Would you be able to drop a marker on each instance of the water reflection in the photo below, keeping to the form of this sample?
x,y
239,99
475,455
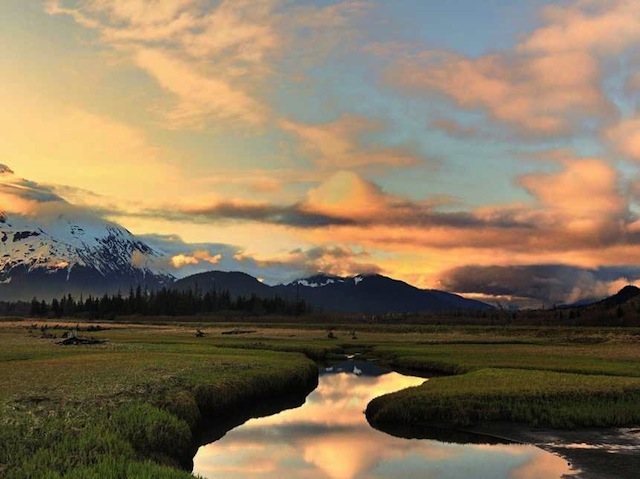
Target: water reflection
x,y
329,438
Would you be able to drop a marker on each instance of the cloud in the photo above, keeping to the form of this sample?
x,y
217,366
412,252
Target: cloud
x,y
202,97
52,142
24,197
215,59
287,215
331,259
189,258
184,258
541,285
365,204
523,92
582,206
625,137
343,144
343,199
547,85
195,258
602,27
585,200
346,193
453,128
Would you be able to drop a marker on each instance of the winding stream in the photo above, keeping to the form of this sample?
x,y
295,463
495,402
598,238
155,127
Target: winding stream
x,y
329,438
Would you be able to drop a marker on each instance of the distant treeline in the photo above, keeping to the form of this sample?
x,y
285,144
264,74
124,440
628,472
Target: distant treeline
x,y
165,302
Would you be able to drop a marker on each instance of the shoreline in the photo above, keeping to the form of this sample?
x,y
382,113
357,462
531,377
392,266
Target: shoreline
x,y
597,453
216,423
594,453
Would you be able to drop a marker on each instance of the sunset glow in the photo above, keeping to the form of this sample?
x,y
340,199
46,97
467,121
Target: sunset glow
x,y
490,149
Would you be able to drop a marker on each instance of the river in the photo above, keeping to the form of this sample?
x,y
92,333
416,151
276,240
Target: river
x,y
329,438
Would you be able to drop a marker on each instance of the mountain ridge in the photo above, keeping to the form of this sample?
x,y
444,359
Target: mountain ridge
x,y
367,293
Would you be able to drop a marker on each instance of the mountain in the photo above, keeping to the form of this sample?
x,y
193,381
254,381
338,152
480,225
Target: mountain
x,y
373,294
236,283
72,253
623,296
619,309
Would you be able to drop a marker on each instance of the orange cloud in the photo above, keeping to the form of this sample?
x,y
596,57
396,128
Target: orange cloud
x,y
585,199
625,137
214,59
194,258
346,194
548,84
582,206
341,144
598,26
538,95
202,96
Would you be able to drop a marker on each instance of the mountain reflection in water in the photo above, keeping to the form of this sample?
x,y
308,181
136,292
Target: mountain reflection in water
x,y
329,438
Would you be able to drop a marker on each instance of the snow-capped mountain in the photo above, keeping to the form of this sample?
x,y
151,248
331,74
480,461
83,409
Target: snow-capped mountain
x,y
372,293
72,253
366,293
49,247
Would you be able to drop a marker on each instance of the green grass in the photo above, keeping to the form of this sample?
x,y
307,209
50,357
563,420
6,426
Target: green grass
x,y
128,408
559,380
537,397
607,358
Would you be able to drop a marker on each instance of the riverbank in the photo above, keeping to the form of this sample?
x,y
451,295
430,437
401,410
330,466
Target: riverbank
x,y
127,409
590,380
595,452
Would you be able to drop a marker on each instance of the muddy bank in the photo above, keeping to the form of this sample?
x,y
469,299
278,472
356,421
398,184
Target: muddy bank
x,y
593,453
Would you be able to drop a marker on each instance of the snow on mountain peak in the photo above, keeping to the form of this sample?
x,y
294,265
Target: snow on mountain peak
x,y
320,280
67,242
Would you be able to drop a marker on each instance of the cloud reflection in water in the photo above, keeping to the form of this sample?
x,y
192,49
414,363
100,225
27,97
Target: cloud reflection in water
x,y
329,438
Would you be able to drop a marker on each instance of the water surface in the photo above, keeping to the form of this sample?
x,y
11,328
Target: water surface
x,y
329,438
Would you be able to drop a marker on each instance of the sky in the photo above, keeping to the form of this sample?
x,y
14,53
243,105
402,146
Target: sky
x,y
486,148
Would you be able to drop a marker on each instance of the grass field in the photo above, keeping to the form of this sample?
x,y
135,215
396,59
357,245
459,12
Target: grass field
x,y
130,407
127,408
554,377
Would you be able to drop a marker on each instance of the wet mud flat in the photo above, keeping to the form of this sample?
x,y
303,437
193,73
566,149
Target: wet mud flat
x,y
594,453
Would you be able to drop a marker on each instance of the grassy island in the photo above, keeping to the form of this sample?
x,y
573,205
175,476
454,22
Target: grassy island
x,y
554,377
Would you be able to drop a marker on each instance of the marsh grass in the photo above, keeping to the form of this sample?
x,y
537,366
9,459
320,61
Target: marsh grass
x,y
126,409
602,358
587,379
537,397
129,408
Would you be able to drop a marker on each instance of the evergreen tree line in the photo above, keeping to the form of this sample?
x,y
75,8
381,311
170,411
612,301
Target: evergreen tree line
x,y
165,302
